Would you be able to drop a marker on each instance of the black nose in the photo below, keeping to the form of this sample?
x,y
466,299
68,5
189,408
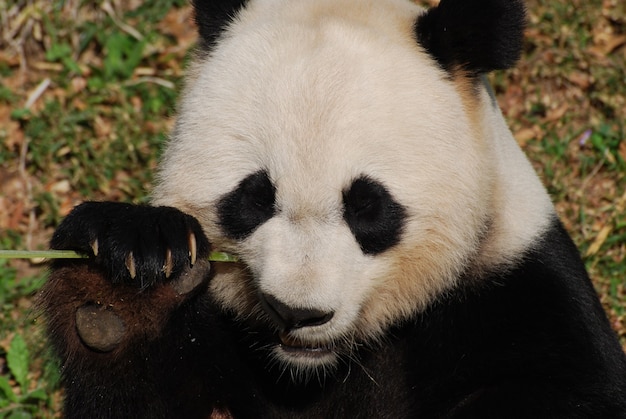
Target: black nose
x,y
289,318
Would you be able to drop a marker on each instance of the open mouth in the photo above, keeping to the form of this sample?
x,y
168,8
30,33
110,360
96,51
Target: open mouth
x,y
296,347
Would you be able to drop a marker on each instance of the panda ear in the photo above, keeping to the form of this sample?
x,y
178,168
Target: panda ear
x,y
473,36
212,17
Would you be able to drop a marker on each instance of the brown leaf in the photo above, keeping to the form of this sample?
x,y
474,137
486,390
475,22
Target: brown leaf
x,y
580,79
599,240
622,149
102,127
78,84
615,42
606,42
524,135
180,24
557,114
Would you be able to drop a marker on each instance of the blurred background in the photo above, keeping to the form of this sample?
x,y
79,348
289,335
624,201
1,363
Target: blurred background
x,y
87,96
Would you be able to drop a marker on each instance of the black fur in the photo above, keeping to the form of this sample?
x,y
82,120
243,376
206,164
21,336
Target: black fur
x,y
119,228
532,342
474,36
212,17
374,217
248,206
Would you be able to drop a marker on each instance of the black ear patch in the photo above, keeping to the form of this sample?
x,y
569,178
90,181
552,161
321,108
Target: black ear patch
x,y
248,206
212,17
476,36
374,217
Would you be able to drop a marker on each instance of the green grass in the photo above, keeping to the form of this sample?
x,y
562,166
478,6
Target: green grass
x,y
27,385
96,130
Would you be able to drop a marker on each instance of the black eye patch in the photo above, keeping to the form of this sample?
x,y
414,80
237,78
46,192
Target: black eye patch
x,y
247,206
374,217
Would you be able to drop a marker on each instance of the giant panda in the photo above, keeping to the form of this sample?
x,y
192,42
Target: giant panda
x,y
397,255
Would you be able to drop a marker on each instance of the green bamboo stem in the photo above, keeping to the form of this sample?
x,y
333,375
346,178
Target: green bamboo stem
x,y
70,254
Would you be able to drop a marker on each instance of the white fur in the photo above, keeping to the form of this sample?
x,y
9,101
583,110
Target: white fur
x,y
317,93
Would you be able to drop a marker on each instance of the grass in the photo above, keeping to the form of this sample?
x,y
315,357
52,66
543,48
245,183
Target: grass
x,y
88,90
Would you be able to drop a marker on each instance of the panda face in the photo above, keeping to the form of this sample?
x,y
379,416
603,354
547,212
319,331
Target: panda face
x,y
313,259
355,177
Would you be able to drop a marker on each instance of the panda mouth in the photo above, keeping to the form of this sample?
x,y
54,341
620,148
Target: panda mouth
x,y
296,347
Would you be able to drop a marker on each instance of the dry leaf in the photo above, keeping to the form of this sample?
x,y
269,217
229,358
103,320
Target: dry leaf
x,y
557,114
599,240
580,79
524,135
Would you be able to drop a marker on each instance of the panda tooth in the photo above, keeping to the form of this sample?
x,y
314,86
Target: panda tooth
x,y
130,265
94,247
167,268
192,248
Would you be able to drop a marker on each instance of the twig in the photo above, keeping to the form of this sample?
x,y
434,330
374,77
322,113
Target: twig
x,y
148,79
36,94
39,254
106,6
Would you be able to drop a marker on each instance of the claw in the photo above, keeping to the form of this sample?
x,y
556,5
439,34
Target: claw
x,y
167,267
94,247
192,248
130,265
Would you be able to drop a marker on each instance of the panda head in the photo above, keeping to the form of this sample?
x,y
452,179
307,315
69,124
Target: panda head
x,y
349,153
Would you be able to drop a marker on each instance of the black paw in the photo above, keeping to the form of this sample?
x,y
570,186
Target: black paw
x,y
136,244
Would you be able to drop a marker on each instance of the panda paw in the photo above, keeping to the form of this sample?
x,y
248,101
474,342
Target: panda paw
x,y
133,244
87,314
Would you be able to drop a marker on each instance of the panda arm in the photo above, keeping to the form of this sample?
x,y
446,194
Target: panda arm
x,y
123,330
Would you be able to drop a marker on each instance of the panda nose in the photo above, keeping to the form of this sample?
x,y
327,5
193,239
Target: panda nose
x,y
289,318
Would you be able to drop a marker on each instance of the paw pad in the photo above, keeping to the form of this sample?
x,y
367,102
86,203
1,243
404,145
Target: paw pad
x,y
99,328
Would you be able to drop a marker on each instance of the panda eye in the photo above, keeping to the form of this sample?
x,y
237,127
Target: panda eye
x,y
362,202
374,217
247,206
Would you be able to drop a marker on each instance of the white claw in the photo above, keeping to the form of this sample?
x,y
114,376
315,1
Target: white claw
x,y
130,265
167,268
192,248
94,247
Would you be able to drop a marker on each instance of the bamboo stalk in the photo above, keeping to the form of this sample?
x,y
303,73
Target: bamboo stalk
x,y
70,254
